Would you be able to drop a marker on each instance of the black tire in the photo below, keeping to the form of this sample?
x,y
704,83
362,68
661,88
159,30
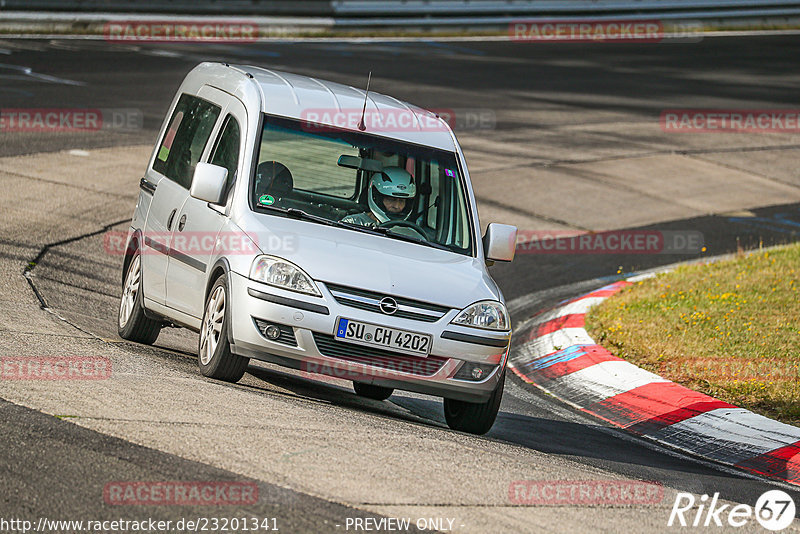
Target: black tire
x,y
475,418
216,359
132,324
372,391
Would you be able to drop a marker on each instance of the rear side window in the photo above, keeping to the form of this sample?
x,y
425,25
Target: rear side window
x,y
185,138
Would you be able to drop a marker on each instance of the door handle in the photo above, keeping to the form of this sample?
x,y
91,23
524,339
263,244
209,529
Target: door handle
x,y
171,218
182,223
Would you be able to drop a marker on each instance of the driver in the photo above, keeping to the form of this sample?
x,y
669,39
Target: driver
x,y
390,194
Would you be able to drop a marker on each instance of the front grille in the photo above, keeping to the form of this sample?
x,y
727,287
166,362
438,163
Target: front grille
x,y
368,300
287,332
383,359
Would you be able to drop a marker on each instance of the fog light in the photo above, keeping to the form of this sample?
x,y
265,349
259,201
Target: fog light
x,y
474,371
272,332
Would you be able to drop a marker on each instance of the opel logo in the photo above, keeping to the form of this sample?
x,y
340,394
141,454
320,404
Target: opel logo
x,y
388,305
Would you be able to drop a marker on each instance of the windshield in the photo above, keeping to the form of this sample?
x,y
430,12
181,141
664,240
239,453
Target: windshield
x,y
362,182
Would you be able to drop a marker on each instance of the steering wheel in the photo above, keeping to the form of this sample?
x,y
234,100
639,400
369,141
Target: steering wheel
x,y
406,224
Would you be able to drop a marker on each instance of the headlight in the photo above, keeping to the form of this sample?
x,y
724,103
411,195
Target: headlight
x,y
488,314
281,273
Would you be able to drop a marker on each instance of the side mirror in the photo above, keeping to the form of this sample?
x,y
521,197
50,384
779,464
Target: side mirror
x,y
208,183
500,242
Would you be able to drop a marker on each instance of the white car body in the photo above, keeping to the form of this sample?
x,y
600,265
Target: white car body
x,y
352,270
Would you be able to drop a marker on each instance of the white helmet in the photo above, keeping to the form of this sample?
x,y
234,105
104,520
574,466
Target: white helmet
x,y
391,182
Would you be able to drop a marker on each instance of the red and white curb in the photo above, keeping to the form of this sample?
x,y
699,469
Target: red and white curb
x,y
558,356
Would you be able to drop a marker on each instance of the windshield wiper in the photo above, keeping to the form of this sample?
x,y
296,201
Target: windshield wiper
x,y
363,228
300,214
421,240
375,230
382,230
387,231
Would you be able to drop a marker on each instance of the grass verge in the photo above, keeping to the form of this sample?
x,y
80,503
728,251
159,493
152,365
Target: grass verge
x,y
730,329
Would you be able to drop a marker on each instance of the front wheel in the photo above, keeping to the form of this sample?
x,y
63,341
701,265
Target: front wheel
x,y
474,417
132,323
215,357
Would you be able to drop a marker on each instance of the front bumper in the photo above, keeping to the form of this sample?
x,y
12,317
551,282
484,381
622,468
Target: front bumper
x,y
306,343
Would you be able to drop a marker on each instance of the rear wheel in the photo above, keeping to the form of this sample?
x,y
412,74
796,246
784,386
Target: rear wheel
x,y
473,417
215,357
372,391
132,324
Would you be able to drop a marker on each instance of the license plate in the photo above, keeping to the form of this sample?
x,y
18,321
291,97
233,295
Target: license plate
x,y
373,335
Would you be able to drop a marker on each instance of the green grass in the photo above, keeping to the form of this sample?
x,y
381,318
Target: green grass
x,y
730,329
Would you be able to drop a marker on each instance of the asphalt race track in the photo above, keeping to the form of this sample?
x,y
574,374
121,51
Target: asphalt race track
x,y
568,138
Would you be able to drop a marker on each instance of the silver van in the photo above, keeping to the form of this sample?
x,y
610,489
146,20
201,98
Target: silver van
x,y
323,228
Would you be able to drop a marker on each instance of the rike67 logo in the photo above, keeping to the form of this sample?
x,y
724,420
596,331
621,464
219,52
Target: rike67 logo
x,y
774,510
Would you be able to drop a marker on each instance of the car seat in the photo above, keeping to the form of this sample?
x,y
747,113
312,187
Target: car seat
x,y
273,178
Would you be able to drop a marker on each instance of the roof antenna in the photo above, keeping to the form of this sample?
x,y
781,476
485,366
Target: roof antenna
x,y
361,125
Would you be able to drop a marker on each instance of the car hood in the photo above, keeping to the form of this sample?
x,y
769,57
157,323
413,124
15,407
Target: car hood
x,y
371,262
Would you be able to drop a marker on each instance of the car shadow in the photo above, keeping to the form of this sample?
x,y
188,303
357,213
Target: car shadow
x,y
336,393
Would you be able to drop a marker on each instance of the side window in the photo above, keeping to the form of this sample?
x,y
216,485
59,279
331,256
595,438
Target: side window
x,y
434,200
310,161
185,138
226,150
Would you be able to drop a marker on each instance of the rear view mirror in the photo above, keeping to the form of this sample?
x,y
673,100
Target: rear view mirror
x,y
365,164
500,242
208,183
